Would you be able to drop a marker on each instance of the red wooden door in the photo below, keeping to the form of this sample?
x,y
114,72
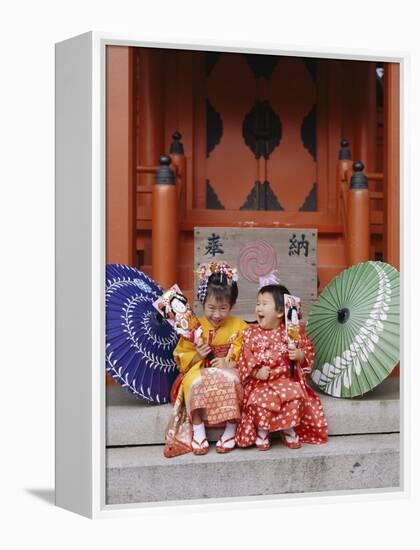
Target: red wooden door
x,y
261,133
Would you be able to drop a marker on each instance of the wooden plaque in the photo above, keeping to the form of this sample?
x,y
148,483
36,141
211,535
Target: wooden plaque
x,y
255,252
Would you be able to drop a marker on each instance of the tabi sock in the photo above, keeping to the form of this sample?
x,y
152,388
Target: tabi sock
x,y
199,433
291,434
261,436
230,430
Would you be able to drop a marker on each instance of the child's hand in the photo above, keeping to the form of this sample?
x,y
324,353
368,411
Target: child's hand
x,y
296,355
203,350
263,373
218,362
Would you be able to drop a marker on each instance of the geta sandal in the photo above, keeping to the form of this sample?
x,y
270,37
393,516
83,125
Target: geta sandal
x,y
220,445
200,450
293,442
265,445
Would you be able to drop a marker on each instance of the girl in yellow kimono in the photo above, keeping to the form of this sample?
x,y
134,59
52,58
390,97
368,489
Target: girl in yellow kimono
x,y
210,393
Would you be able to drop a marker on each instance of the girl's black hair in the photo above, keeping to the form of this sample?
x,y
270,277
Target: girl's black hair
x,y
222,289
277,292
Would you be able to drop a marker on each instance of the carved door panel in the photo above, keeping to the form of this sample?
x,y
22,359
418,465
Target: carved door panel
x,y
260,133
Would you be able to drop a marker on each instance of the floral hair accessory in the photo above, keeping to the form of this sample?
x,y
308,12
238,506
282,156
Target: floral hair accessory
x,y
269,279
205,271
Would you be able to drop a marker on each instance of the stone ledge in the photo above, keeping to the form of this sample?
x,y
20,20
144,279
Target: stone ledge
x,y
131,421
143,474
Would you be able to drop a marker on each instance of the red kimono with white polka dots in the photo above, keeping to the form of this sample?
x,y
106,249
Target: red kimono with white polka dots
x,y
279,402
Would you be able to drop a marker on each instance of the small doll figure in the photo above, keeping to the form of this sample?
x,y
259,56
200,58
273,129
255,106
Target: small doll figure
x,y
173,305
210,393
292,309
292,319
274,399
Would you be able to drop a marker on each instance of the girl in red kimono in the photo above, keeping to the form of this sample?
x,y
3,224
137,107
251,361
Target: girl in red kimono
x,y
273,400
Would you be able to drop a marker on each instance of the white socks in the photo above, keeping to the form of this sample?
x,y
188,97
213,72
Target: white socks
x,y
261,436
199,433
290,435
229,433
230,430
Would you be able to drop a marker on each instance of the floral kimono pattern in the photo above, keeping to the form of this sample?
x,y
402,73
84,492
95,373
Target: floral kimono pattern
x,y
217,392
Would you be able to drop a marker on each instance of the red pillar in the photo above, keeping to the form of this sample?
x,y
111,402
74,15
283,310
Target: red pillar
x,y
120,180
150,114
392,163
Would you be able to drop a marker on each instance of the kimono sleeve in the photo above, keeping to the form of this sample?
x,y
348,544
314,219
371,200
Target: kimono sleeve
x,y
309,353
247,362
238,341
183,355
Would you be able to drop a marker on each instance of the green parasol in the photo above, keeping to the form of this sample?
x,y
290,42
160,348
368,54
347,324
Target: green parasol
x,y
355,328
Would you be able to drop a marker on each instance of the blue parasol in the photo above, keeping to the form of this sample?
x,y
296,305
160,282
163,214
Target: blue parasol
x,y
139,342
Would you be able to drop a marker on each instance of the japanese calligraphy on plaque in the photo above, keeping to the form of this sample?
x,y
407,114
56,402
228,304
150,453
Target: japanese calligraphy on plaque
x,y
256,252
213,246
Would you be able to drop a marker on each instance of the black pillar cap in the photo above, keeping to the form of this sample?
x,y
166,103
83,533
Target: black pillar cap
x,y
344,153
358,179
164,174
177,147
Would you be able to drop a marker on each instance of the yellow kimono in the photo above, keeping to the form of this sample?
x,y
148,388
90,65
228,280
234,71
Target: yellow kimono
x,y
227,339
217,392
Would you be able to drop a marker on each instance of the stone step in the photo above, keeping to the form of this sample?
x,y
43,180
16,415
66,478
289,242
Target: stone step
x,y
143,474
131,421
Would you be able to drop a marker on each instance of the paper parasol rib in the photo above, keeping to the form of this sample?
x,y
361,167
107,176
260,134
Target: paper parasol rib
x,y
139,343
355,328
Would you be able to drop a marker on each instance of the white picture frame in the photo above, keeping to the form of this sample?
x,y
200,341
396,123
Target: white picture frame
x,y
80,265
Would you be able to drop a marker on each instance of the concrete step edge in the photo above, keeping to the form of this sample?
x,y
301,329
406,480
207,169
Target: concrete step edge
x,y
143,474
130,422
